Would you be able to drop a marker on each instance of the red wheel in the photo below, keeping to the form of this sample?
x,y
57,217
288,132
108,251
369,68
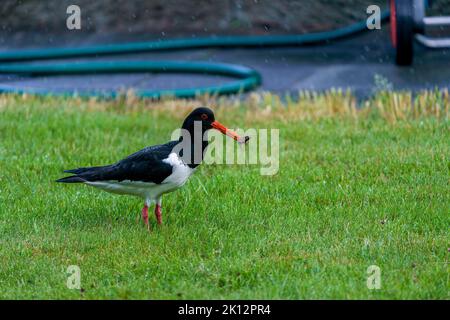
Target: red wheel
x,y
393,23
402,30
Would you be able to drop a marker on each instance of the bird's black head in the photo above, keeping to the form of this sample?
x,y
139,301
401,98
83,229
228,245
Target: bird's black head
x,y
202,115
193,141
205,117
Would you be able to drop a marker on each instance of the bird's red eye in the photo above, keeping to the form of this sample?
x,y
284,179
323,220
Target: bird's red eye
x,y
204,116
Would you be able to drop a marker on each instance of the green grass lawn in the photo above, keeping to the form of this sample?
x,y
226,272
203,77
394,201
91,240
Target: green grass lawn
x,y
354,189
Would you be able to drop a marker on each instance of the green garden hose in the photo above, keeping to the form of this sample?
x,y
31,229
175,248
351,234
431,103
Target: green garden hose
x,y
248,79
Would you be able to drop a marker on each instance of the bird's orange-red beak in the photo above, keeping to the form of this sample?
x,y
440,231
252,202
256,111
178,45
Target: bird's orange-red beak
x,y
218,126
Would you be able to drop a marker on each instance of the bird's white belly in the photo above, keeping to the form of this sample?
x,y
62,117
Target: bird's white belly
x,y
146,190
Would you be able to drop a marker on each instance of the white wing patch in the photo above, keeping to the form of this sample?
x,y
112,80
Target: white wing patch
x,y
180,173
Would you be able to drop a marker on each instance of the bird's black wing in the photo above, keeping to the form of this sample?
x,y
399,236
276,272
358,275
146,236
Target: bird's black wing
x,y
146,165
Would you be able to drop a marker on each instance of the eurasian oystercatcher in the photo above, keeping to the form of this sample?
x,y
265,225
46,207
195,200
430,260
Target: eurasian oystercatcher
x,y
156,170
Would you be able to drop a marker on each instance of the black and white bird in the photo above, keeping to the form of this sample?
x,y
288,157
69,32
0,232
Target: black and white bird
x,y
156,170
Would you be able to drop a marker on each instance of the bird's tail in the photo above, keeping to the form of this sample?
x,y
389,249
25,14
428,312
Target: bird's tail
x,y
72,179
84,174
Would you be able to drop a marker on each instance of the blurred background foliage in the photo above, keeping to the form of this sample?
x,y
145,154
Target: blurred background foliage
x,y
43,23
175,17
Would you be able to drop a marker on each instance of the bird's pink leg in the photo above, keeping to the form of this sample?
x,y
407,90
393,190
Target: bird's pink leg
x,y
145,214
158,213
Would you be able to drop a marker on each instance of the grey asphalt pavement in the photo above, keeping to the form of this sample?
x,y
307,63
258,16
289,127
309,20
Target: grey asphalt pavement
x,y
350,63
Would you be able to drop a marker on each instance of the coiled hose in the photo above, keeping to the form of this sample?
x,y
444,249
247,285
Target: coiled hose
x,y
248,79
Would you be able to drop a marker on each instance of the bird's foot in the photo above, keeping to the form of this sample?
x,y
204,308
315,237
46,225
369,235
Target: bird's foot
x,y
158,214
145,216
